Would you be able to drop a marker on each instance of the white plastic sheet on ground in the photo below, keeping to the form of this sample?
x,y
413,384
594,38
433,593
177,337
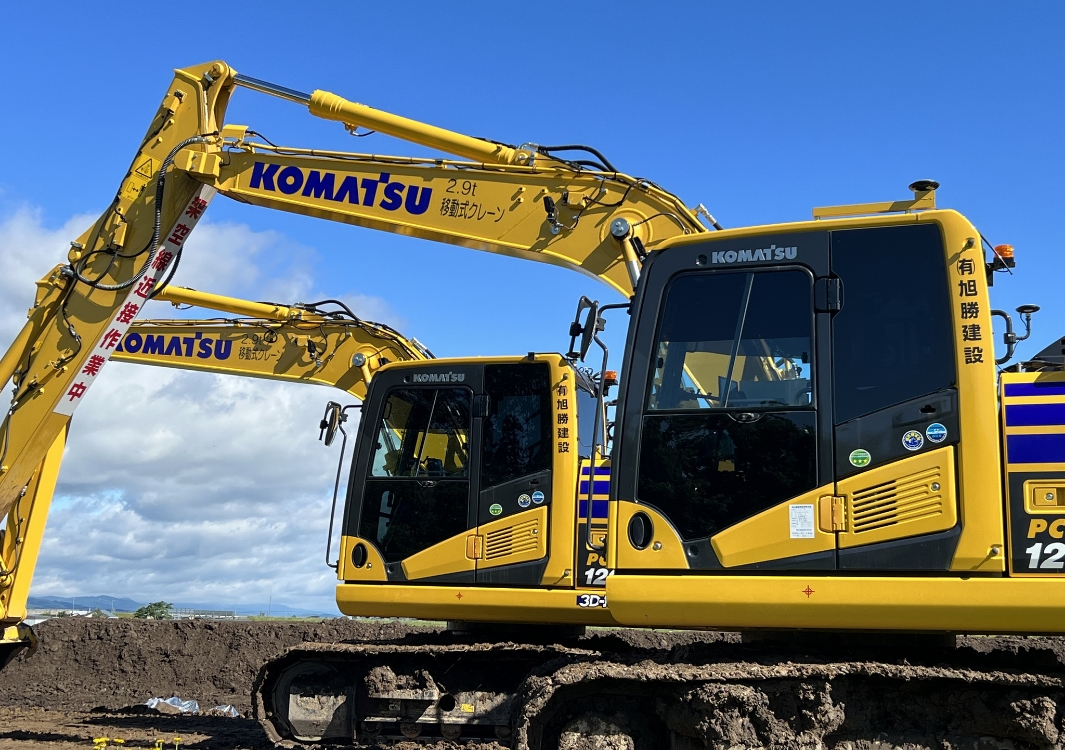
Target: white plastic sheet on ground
x,y
185,707
192,707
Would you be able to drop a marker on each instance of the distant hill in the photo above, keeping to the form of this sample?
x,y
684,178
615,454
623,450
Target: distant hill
x,y
276,609
121,604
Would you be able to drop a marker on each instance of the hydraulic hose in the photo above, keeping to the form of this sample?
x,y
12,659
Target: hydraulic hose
x,y
154,243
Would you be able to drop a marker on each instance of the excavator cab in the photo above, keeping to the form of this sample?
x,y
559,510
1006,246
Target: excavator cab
x,y
799,398
465,473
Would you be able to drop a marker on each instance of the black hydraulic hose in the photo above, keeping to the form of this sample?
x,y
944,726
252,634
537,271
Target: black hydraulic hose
x,y
336,302
154,243
590,164
577,147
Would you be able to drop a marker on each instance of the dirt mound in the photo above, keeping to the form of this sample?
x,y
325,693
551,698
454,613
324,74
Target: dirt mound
x,y
83,663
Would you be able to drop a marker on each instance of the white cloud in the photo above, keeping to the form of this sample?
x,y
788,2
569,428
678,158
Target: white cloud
x,y
234,260
192,487
188,486
28,251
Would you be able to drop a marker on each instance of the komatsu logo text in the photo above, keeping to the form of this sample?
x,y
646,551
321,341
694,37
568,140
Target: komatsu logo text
x,y
196,345
436,377
749,256
383,192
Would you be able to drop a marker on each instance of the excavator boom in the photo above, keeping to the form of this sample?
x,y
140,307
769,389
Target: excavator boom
x,y
287,343
545,212
518,201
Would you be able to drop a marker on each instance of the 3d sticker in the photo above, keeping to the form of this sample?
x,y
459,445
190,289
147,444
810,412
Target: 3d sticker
x,y
538,497
860,457
936,432
912,440
524,501
495,509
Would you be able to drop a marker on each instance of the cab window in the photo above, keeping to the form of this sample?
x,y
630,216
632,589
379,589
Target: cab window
x,y
729,428
587,404
892,340
424,432
417,494
516,437
734,340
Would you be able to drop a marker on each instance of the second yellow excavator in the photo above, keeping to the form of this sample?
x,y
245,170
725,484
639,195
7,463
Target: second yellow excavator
x,y
306,344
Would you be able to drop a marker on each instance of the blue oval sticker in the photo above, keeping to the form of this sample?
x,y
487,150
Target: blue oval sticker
x,y
936,432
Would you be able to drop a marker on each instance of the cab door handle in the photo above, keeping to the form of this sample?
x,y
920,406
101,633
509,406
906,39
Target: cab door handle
x,y
474,546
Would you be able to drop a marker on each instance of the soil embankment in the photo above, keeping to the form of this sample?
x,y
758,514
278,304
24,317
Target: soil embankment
x,y
84,663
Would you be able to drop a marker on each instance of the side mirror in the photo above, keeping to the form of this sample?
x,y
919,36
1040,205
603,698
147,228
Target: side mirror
x,y
587,330
330,423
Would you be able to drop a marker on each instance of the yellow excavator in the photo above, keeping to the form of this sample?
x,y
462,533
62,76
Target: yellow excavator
x,y
810,435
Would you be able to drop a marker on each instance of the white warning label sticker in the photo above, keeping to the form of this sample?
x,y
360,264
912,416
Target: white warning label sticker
x,y
802,521
137,296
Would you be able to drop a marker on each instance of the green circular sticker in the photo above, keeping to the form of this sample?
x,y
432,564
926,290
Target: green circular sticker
x,y
495,509
860,457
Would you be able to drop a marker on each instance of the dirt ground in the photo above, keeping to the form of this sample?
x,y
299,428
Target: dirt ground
x,y
82,663
26,728
90,679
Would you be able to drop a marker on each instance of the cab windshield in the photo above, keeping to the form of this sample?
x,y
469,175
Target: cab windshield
x,y
734,341
424,432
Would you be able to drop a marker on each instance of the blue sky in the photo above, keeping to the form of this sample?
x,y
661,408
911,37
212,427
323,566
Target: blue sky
x,y
758,110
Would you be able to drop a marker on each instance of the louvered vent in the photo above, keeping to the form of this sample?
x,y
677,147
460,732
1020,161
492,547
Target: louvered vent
x,y
513,540
908,498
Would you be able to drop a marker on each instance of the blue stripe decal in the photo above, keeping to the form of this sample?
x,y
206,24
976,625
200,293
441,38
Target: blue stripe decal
x,y
600,471
600,488
1036,389
1036,449
1032,415
599,509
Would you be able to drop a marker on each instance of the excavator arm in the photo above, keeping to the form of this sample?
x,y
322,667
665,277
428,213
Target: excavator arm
x,y
298,343
293,344
526,202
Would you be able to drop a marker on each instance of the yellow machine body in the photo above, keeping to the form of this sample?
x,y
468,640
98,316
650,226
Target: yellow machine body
x,y
922,494
475,493
482,516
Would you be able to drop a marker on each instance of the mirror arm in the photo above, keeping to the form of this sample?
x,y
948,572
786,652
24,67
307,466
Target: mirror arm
x,y
1027,327
336,485
598,324
1009,338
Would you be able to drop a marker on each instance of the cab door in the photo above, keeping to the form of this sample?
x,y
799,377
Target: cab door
x,y
416,469
726,445
895,400
515,474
